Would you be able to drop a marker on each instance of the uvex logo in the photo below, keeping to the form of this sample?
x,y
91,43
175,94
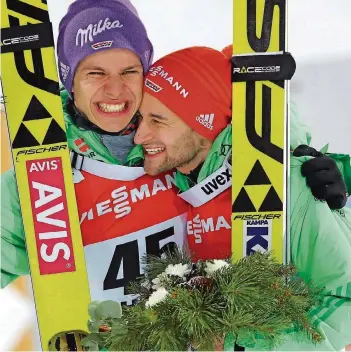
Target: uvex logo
x,y
220,180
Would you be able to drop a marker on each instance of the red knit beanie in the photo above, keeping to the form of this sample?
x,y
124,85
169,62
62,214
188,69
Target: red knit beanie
x,y
195,83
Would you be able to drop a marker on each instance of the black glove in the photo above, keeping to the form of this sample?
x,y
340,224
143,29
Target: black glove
x,y
323,177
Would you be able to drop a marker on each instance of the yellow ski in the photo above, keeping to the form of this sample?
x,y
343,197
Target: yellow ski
x,y
261,68
42,166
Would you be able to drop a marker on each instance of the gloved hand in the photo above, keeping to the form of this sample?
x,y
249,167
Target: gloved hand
x,y
323,177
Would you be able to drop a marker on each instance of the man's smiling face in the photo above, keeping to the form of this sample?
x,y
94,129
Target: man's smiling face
x,y
107,88
167,140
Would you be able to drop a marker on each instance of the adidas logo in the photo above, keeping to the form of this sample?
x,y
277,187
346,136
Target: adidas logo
x,y
206,120
64,70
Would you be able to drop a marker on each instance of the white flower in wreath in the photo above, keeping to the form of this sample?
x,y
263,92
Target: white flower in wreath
x,y
177,270
156,297
156,283
159,280
216,264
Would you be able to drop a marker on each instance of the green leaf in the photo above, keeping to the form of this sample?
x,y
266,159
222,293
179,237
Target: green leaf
x,y
92,307
94,337
108,309
92,342
325,149
94,325
92,346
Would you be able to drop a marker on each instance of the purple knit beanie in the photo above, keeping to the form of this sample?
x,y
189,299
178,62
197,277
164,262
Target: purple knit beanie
x,y
94,25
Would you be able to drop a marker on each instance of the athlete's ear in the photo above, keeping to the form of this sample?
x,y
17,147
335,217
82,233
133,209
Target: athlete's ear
x,y
204,142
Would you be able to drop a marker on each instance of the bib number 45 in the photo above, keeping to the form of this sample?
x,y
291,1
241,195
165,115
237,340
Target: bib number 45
x,y
128,256
112,265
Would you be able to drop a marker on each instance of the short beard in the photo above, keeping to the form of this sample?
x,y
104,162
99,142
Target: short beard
x,y
184,151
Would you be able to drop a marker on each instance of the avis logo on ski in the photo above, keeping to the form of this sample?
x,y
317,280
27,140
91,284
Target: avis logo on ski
x,y
50,213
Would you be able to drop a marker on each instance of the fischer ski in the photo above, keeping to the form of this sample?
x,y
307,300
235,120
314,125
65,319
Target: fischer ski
x,y
42,166
260,160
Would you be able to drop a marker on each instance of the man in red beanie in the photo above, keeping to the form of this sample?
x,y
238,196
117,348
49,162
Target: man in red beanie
x,y
186,124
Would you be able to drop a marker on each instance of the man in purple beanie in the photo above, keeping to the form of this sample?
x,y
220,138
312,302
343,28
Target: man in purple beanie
x,y
103,53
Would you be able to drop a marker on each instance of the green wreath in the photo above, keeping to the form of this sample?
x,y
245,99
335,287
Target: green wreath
x,y
253,302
